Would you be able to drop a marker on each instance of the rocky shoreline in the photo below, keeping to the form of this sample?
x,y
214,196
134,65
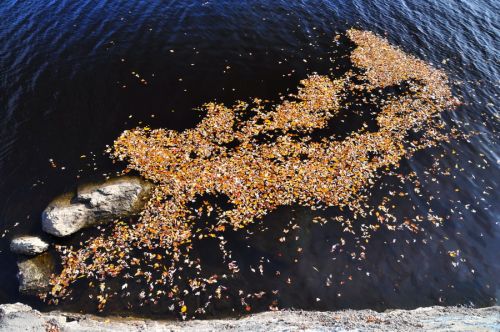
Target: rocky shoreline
x,y
21,317
91,204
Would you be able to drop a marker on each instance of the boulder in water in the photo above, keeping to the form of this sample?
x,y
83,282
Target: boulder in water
x,y
34,273
28,245
95,204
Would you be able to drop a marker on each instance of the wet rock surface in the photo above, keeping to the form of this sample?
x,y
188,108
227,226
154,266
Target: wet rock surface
x,y
20,317
34,273
94,204
28,245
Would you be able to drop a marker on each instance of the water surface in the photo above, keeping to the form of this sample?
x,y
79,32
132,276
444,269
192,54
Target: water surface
x,y
69,87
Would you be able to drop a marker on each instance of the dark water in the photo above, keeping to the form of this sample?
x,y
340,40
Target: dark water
x,y
67,90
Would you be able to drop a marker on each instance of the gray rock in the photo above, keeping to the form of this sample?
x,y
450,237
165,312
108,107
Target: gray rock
x,y
115,198
62,217
28,245
34,273
13,308
21,317
95,204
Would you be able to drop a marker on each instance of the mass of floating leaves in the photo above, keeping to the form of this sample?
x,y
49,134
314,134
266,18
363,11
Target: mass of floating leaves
x,y
261,157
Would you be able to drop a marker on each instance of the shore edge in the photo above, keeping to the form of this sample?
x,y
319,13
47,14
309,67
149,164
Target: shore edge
x,y
21,317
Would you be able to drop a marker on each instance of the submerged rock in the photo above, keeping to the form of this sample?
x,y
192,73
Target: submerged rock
x,y
95,203
28,245
34,273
